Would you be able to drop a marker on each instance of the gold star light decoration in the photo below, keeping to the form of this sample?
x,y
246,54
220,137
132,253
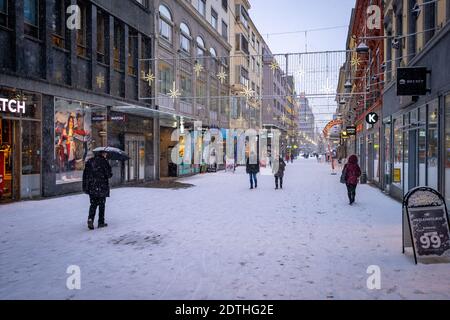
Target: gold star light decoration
x,y
100,79
148,77
174,93
248,92
356,62
284,118
274,66
222,76
198,68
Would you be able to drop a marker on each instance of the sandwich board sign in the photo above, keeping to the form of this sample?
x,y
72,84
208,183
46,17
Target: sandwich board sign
x,y
426,227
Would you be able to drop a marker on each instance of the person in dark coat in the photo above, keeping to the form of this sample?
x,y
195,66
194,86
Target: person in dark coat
x,y
280,173
252,169
96,175
352,173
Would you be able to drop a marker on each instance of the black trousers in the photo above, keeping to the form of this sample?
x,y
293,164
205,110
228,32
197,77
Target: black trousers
x,y
100,203
281,182
351,191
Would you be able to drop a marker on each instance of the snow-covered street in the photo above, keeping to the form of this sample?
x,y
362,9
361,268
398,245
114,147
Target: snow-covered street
x,y
216,240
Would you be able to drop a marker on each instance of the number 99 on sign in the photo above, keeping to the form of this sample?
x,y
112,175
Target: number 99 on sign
x,y
430,239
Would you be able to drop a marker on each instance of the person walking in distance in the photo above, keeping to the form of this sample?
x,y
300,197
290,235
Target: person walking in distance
x,y
96,175
252,169
351,172
280,173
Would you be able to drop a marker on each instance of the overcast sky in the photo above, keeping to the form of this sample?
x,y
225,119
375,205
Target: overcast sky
x,y
272,17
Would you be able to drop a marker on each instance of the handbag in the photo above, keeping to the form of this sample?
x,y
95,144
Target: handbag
x,y
343,175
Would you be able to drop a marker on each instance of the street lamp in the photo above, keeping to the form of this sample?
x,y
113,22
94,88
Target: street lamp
x,y
362,48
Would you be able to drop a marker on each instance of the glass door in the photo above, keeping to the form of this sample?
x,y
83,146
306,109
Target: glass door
x,y
135,167
9,159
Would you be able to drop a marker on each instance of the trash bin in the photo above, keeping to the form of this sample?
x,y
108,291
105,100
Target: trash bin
x,y
363,179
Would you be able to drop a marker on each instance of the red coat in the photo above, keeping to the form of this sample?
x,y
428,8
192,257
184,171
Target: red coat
x,y
353,171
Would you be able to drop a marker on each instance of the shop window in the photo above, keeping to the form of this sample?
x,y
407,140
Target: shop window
x,y
397,175
433,145
79,129
102,26
31,17
447,148
165,77
132,50
31,147
387,153
422,147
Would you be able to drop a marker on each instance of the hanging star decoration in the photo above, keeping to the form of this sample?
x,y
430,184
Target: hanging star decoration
x,y
356,62
174,93
148,77
222,76
283,118
328,89
269,108
198,68
274,66
248,92
100,80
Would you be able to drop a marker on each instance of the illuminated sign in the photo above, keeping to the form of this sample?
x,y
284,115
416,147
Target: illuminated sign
x,y
12,106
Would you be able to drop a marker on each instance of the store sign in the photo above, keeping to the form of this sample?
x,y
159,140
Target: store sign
x,y
428,230
97,118
12,106
360,127
351,131
372,118
118,118
412,81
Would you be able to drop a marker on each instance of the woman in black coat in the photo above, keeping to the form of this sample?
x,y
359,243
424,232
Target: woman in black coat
x,y
96,175
280,173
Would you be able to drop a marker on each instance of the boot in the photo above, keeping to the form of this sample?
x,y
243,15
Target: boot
x,y
102,225
90,224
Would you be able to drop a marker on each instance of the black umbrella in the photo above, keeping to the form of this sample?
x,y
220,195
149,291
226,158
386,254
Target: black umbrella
x,y
113,153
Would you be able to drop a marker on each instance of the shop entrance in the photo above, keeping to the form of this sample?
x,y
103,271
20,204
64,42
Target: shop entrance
x,y
135,167
9,159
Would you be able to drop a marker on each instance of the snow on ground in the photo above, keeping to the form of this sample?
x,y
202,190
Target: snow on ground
x,y
217,240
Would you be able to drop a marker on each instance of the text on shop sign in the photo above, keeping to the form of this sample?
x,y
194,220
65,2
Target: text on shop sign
x,y
12,106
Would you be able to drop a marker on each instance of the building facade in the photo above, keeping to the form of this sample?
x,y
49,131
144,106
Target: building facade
x,y
61,88
416,130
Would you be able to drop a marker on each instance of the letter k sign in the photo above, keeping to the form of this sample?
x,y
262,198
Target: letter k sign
x,y
372,118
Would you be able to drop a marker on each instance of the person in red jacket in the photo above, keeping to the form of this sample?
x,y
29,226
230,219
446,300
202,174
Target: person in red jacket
x,y
352,173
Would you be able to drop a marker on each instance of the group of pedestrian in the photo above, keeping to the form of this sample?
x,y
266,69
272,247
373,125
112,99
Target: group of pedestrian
x,y
252,169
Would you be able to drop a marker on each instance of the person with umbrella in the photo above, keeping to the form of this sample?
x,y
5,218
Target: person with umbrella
x,y
96,175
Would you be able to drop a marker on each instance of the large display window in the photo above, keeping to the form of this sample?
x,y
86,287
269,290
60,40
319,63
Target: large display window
x,y
397,175
433,145
79,129
447,148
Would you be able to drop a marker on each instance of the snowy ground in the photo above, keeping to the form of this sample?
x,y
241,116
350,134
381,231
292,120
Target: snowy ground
x,y
217,240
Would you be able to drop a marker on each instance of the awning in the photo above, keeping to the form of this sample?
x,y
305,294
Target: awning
x,y
150,113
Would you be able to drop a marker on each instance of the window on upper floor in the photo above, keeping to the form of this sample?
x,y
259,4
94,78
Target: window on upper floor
x,y
143,3
118,45
224,30
243,16
59,27
132,52
201,7
242,43
102,27
201,48
185,38
82,32
214,19
430,17
4,13
31,17
165,23
225,5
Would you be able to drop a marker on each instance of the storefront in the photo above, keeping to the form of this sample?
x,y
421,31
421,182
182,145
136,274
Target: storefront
x,y
20,144
412,159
